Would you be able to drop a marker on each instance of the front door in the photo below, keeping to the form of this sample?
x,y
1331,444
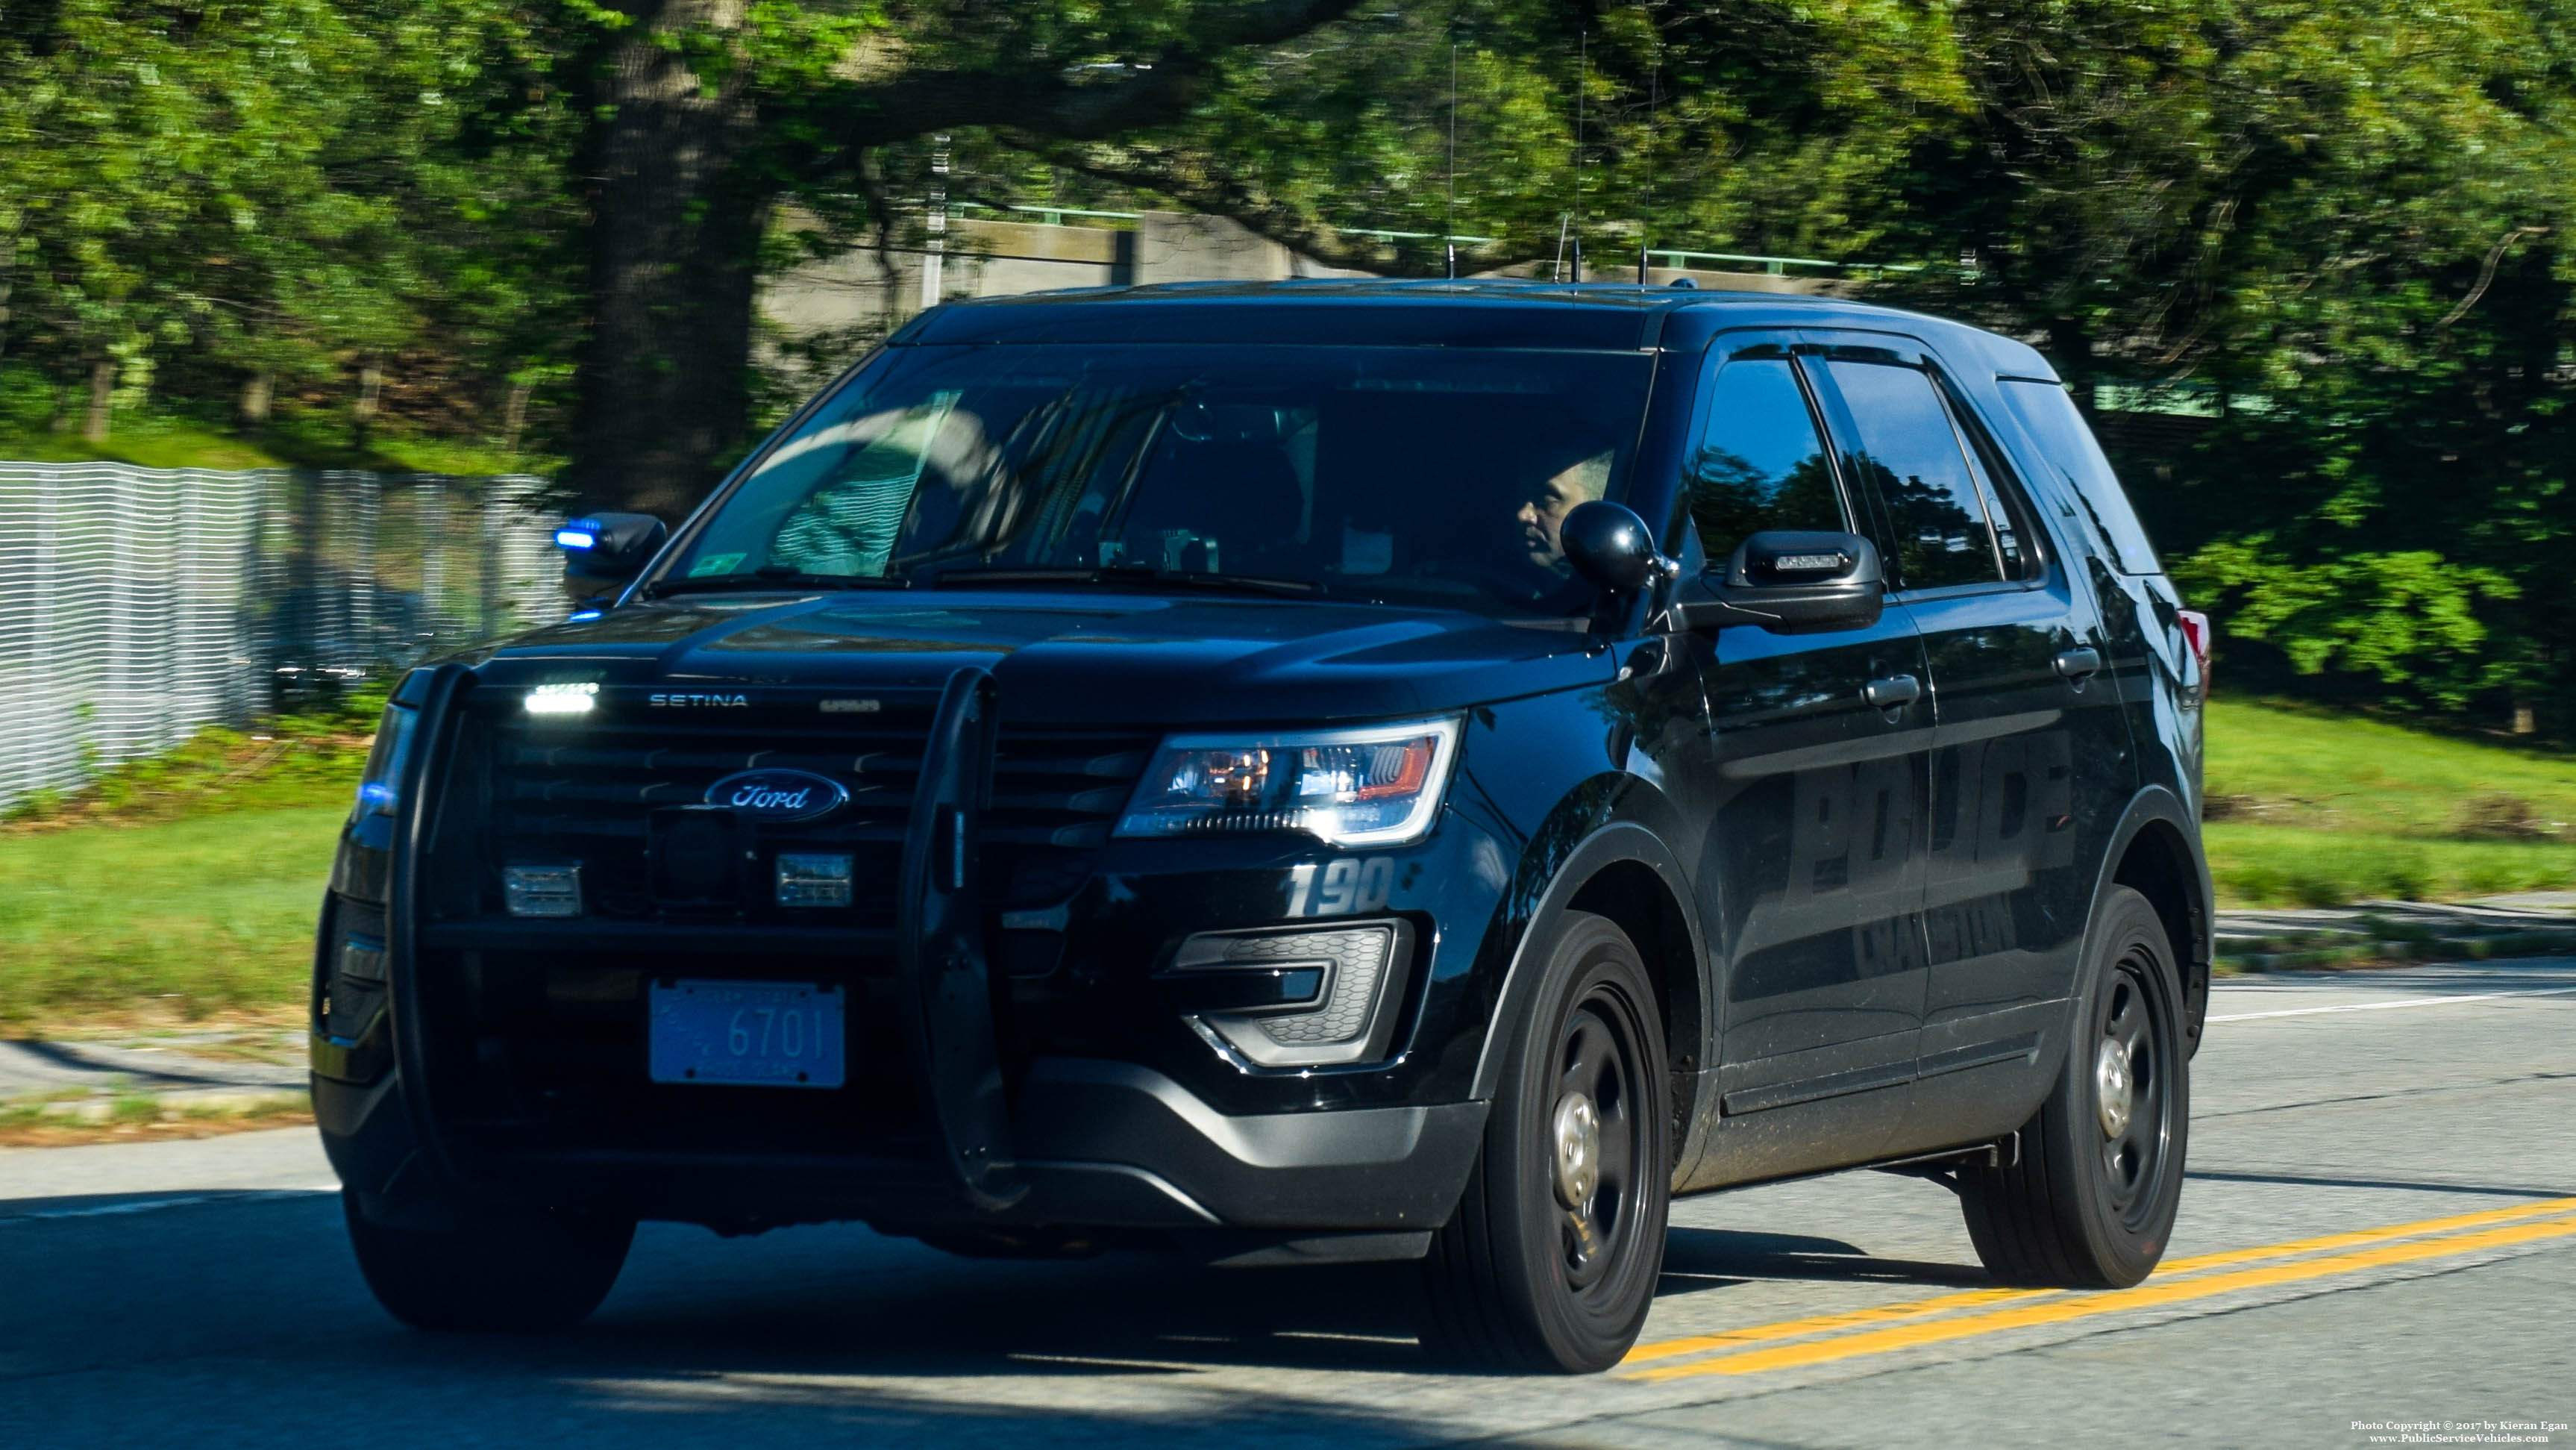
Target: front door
x,y
1814,869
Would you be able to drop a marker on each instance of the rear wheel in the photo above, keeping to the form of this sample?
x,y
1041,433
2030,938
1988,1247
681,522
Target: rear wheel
x,y
2092,1199
1551,1259
492,1271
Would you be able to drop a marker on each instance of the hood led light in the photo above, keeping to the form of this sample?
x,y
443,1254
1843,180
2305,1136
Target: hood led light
x,y
571,699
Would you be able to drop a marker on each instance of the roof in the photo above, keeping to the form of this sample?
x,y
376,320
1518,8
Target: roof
x,y
1427,313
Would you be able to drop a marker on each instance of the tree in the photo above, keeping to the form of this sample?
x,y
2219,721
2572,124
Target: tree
x,y
712,110
273,193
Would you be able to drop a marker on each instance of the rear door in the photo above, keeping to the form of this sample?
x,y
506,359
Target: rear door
x,y
1814,867
2030,752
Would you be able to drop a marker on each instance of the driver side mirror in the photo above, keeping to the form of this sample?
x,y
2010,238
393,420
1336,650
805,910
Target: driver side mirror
x,y
605,551
1790,581
1611,547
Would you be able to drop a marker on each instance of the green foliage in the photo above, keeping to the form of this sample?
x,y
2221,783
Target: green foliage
x,y
289,191
2407,619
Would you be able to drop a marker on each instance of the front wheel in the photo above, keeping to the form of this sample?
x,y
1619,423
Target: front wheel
x,y
2091,1202
1551,1259
490,1271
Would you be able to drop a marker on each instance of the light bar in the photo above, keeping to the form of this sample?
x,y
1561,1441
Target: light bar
x,y
564,699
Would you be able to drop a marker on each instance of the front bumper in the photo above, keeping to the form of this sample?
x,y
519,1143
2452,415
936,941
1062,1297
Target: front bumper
x,y
1089,1104
1102,1145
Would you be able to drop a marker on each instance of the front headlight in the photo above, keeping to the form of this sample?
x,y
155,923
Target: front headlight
x,y
1375,786
378,786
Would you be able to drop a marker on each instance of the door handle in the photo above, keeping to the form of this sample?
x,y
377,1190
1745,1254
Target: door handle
x,y
1895,690
2079,665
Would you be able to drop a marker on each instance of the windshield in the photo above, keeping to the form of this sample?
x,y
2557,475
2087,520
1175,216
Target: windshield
x,y
1403,474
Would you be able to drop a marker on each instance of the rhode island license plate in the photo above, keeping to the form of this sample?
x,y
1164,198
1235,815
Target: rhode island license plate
x,y
746,1034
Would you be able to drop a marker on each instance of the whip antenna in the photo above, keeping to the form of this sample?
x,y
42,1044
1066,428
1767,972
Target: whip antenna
x,y
1449,242
1646,219
1582,82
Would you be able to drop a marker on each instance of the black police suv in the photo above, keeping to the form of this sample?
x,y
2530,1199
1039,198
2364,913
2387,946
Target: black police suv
x,y
1304,772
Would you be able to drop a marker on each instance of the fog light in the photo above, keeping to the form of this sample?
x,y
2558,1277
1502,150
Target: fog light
x,y
805,880
1297,998
542,890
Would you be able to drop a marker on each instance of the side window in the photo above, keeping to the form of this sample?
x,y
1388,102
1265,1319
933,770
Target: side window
x,y
1908,455
2067,449
2007,503
1758,462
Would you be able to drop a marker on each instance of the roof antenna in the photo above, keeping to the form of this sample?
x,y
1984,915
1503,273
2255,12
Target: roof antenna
x,y
1582,81
1557,273
1450,241
1646,222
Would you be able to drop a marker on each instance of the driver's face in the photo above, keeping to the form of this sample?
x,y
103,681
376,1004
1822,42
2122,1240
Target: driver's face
x,y
1544,513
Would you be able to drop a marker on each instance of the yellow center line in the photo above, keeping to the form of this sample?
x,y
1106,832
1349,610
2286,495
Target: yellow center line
x,y
1978,1298
2086,1306
1823,1323
2539,1208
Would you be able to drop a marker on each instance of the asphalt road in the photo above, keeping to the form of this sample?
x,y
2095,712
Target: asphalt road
x,y
2380,1226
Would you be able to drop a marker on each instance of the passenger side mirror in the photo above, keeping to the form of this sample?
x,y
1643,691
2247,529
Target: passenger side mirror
x,y
608,549
1790,581
1610,546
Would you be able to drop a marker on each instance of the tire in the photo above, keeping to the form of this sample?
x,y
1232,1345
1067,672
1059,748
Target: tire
x,y
495,1272
2090,1204
1548,1265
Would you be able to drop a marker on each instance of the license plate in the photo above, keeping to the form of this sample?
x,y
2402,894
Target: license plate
x,y
746,1034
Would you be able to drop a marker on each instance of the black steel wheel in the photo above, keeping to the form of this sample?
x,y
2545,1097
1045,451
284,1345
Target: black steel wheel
x,y
2092,1200
490,1271
1551,1259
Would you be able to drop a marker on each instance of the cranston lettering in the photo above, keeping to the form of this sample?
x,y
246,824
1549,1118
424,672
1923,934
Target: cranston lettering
x,y
692,698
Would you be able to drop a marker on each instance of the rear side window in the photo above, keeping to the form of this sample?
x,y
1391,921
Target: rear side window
x,y
1910,456
2067,450
1758,462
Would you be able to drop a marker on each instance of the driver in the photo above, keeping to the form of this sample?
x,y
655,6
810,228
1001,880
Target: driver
x,y
1573,475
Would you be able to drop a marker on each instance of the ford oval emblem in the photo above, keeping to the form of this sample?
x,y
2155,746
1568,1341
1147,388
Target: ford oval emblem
x,y
779,796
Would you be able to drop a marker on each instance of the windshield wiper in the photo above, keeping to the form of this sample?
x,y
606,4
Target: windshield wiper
x,y
1144,574
783,581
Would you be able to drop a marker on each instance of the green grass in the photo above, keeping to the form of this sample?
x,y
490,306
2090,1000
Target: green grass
x,y
163,436
181,886
177,443
2310,808
186,917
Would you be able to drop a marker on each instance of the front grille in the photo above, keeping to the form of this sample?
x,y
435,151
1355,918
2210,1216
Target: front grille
x,y
586,791
546,1047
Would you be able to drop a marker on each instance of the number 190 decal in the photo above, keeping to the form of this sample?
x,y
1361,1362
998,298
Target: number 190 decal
x,y
1341,887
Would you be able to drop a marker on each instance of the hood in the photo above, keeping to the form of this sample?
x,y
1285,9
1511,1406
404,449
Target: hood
x,y
1078,658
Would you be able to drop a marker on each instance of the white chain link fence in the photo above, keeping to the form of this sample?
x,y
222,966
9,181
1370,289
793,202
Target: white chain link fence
x,y
139,604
